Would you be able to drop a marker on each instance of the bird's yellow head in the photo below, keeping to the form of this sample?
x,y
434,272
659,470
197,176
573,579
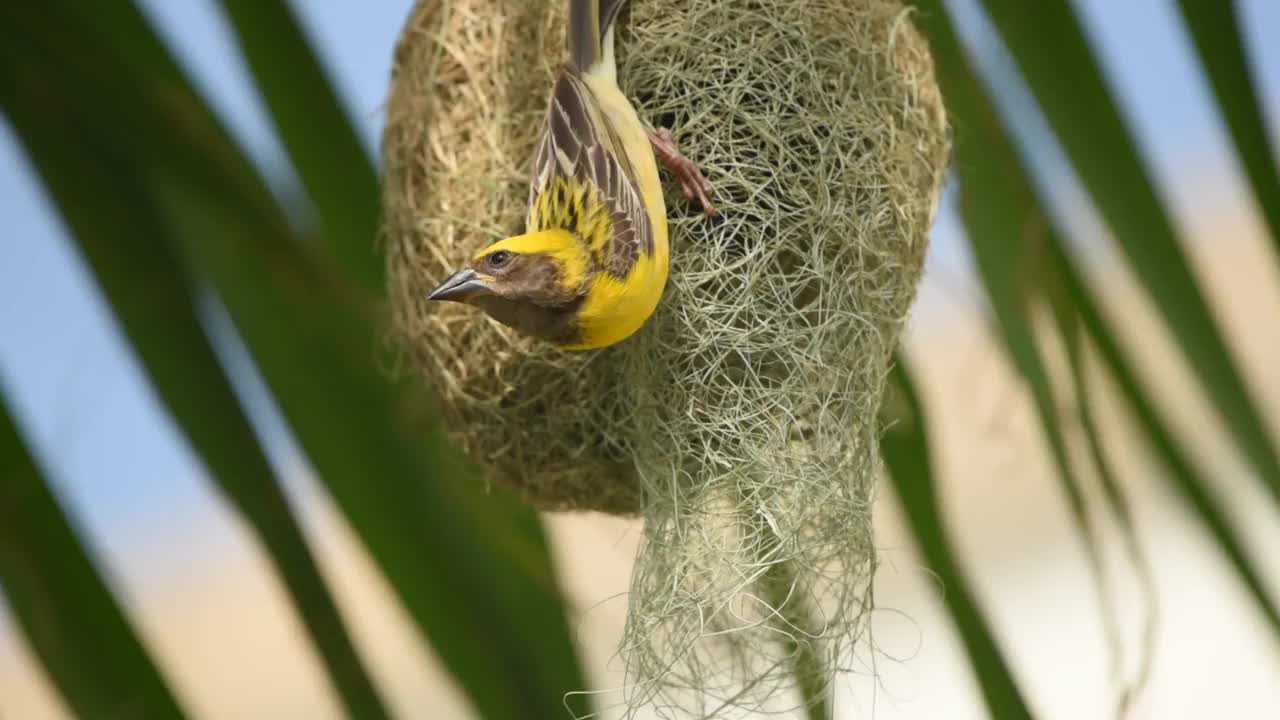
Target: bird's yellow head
x,y
534,283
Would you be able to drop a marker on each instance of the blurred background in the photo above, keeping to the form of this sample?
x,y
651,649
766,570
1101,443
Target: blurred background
x,y
204,601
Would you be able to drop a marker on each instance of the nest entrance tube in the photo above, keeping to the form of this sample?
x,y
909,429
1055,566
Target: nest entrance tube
x,y
740,422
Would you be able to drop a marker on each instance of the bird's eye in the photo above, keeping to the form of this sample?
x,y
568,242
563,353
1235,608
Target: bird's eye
x,y
499,258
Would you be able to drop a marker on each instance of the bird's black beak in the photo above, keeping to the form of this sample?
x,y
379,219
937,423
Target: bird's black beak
x,y
460,286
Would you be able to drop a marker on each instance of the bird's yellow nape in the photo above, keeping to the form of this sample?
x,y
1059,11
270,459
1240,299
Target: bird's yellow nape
x,y
558,244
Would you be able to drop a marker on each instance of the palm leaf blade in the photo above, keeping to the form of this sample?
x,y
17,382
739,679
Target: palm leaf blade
x,y
1186,481
1048,43
116,229
318,136
1008,189
905,449
452,553
1215,30
67,613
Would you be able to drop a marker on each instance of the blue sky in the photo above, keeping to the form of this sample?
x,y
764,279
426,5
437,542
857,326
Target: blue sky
x,y
127,476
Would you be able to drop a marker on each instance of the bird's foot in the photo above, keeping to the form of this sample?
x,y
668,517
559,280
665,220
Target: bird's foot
x,y
685,170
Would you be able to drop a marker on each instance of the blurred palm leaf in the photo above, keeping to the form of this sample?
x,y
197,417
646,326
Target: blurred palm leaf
x,y
320,139
1020,258
1215,29
70,619
1002,227
1021,261
905,448
452,553
1050,48
990,168
1183,476
117,228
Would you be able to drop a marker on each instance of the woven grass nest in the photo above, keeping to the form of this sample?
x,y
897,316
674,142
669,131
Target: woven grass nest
x,y
741,420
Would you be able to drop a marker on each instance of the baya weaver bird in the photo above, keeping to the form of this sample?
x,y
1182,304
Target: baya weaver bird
x,y
592,264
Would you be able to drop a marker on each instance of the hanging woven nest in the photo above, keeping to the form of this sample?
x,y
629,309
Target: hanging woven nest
x,y
741,420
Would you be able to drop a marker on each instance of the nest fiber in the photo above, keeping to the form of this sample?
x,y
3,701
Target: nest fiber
x,y
740,421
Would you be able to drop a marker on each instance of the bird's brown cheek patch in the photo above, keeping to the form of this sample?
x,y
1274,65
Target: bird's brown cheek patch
x,y
543,283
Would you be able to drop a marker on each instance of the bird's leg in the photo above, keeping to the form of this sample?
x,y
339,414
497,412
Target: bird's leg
x,y
686,170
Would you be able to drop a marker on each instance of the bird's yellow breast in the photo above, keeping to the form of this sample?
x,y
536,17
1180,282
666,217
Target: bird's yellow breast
x,y
614,309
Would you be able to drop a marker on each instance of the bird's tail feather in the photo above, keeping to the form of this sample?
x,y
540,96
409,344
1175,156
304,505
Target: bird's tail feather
x,y
589,24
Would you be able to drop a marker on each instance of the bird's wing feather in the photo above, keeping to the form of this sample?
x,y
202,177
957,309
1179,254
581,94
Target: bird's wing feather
x,y
609,10
589,23
579,146
583,34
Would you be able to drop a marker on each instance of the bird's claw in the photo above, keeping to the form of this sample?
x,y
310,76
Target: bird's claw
x,y
692,182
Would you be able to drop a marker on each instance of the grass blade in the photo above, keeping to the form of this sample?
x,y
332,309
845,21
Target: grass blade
x,y
316,131
65,610
1048,43
1215,29
116,229
906,453
471,568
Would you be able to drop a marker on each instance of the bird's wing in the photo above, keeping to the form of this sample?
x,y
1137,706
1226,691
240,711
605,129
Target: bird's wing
x,y
589,24
578,150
